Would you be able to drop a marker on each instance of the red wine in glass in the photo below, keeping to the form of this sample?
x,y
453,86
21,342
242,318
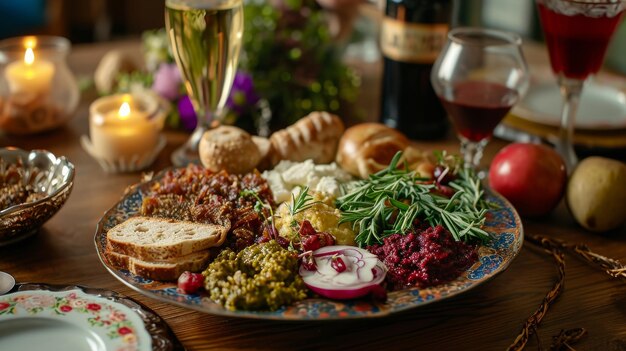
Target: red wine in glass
x,y
577,43
479,75
476,107
577,34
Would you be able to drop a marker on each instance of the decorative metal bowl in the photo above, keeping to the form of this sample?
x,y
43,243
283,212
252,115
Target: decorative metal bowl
x,y
51,176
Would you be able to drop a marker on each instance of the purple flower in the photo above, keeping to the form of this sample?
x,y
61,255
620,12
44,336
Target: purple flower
x,y
187,114
167,81
242,95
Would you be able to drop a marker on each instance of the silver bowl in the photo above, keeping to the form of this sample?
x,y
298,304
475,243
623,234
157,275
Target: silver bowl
x,y
51,175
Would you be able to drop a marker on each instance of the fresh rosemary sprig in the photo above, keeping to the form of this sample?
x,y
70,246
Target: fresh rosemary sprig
x,y
301,202
391,200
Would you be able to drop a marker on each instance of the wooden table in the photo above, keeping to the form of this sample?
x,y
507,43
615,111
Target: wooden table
x,y
486,318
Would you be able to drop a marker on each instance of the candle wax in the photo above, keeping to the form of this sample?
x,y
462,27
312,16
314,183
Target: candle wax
x,y
116,136
30,75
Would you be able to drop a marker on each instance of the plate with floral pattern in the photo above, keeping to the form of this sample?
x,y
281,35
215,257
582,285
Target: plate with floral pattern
x,y
46,317
502,222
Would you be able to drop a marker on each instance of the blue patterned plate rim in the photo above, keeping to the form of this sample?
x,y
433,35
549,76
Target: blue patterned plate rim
x,y
503,222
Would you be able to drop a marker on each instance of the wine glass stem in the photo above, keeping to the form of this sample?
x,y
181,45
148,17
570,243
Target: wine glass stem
x,y
472,152
570,90
189,151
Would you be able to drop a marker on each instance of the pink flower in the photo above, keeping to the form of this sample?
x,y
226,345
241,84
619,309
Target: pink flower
x,y
35,301
124,330
78,303
117,316
94,307
4,305
65,308
167,81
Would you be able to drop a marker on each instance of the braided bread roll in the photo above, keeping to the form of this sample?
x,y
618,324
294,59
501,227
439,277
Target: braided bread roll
x,y
313,137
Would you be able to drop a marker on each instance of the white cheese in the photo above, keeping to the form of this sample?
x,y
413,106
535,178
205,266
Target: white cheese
x,y
288,177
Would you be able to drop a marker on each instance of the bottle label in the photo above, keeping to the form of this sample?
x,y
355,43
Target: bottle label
x,y
412,42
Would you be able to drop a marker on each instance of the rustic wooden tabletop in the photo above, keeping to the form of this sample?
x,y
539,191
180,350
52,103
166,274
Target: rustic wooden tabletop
x,y
486,318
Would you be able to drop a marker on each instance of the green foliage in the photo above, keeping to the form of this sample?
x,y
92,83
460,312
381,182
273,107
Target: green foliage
x,y
294,64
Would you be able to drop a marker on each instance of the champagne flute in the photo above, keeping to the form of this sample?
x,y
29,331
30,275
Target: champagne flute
x,y
479,75
577,34
205,36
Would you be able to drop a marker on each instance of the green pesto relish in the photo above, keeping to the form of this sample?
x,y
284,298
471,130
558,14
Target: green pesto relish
x,y
260,277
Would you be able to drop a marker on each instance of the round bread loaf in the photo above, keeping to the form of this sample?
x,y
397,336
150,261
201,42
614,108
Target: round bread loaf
x,y
228,148
366,147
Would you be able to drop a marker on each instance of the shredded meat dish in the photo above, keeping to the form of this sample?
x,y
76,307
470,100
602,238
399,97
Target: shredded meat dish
x,y
199,195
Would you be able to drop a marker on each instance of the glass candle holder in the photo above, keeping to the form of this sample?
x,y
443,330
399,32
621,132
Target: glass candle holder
x,y
38,92
124,130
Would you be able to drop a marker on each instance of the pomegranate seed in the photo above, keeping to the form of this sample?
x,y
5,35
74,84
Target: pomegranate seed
x,y
445,190
282,241
338,264
311,243
308,262
306,228
189,282
440,177
326,239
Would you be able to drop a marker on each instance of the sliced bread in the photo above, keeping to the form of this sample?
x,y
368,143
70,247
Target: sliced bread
x,y
166,270
157,240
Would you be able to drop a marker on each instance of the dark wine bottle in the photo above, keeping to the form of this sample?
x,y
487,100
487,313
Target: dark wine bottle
x,y
413,33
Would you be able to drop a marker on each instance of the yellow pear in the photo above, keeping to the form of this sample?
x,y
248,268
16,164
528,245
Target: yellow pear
x,y
596,193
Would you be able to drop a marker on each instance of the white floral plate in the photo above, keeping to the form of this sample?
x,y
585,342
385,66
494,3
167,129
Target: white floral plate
x,y
43,317
602,107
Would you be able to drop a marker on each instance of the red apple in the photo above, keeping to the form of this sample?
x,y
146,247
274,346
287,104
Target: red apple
x,y
531,176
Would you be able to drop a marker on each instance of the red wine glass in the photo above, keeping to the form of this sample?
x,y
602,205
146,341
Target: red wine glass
x,y
577,34
479,75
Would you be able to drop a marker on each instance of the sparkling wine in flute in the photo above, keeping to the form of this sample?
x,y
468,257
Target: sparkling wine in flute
x,y
205,36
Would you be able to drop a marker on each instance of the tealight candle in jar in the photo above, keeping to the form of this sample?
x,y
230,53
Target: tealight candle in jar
x,y
38,92
29,76
123,133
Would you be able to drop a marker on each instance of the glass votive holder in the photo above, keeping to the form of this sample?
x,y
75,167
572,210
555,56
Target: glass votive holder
x,y
124,130
38,92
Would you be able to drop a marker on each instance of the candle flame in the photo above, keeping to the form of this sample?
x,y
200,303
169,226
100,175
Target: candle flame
x,y
124,111
29,56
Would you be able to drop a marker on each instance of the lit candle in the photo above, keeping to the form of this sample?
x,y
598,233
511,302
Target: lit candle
x,y
122,133
29,76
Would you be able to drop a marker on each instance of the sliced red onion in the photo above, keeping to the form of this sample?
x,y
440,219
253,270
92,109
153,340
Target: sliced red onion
x,y
363,270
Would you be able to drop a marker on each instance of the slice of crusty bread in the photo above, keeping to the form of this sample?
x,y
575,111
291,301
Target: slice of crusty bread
x,y
156,239
167,270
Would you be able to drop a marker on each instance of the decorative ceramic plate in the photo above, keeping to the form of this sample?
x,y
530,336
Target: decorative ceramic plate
x,y
602,107
504,223
47,317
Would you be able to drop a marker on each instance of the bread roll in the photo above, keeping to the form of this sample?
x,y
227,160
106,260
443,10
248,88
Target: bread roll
x,y
265,150
313,137
228,148
367,148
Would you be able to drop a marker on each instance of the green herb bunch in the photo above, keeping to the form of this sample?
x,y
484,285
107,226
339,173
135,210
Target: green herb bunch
x,y
293,62
393,200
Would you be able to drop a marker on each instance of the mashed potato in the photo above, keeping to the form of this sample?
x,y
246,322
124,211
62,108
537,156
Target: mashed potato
x,y
324,217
